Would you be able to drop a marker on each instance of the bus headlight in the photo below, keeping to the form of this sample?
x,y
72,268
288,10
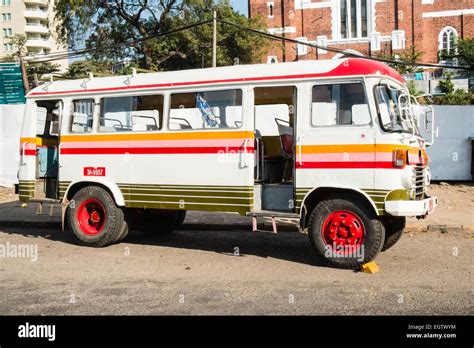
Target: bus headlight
x,y
408,177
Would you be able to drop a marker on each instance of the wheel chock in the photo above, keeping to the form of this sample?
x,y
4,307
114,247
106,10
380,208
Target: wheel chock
x,y
370,267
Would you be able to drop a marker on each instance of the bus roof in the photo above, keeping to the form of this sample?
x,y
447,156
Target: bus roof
x,y
255,73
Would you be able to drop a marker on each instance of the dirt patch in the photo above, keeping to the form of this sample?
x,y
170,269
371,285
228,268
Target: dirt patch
x,y
7,194
455,205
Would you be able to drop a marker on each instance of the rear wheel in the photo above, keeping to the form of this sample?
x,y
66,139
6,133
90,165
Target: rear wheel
x,y
94,218
345,232
394,228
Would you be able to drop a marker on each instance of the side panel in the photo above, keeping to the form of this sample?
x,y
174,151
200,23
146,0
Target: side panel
x,y
332,156
193,169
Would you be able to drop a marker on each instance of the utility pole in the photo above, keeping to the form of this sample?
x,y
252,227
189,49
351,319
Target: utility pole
x,y
214,41
24,75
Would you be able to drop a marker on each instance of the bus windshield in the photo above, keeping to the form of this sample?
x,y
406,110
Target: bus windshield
x,y
394,109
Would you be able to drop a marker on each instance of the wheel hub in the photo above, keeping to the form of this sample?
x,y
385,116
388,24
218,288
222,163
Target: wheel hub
x,y
343,231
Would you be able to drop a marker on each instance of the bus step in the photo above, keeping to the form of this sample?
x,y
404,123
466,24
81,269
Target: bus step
x,y
254,225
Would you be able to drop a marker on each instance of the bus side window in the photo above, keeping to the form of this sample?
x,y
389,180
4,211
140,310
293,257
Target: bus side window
x,y
339,104
137,114
206,110
82,116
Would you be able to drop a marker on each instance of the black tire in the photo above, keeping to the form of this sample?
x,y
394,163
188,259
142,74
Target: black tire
x,y
156,221
181,217
365,221
394,228
86,231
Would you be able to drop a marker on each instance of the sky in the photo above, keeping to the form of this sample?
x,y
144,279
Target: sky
x,y
241,6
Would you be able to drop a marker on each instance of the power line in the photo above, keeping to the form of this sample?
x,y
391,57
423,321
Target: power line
x,y
74,53
336,50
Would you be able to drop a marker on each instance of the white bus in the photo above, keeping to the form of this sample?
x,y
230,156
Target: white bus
x,y
333,143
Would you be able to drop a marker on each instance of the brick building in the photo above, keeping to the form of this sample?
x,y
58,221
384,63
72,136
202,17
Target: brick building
x,y
366,26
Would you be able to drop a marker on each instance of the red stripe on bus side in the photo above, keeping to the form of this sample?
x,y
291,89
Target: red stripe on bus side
x,y
347,68
154,150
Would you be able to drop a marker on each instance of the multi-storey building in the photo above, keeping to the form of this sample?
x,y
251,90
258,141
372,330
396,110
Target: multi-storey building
x,y
34,18
366,26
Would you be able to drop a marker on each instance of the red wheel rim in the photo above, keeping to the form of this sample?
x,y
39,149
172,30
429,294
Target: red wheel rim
x,y
91,217
343,231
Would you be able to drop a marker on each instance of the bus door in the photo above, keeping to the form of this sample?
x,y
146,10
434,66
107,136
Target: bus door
x,y
275,115
335,139
48,120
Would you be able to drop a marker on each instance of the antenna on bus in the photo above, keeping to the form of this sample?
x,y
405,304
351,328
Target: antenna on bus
x,y
129,77
90,76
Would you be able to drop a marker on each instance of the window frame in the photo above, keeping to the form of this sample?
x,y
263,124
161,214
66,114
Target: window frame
x,y
348,19
94,112
447,30
207,89
98,114
339,82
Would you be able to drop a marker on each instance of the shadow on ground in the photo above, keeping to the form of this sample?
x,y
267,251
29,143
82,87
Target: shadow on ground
x,y
288,246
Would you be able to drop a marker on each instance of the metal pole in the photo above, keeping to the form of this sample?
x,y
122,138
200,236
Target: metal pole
x,y
214,41
24,75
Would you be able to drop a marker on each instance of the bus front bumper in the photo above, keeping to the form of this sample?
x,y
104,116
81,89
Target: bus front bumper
x,y
411,208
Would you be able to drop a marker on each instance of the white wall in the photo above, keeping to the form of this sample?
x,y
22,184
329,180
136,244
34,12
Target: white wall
x,y
450,156
11,117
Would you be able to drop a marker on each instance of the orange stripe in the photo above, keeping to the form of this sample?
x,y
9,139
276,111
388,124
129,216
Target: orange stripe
x,y
39,141
158,136
355,148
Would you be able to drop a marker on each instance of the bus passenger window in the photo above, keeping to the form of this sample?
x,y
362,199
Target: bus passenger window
x,y
131,114
339,104
206,110
82,116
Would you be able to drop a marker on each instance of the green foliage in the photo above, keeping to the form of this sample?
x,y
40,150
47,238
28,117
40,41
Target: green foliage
x,y
412,88
81,69
19,46
457,97
465,54
102,24
36,71
452,96
446,86
407,56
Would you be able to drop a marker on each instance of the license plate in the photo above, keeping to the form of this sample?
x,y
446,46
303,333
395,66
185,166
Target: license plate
x,y
431,205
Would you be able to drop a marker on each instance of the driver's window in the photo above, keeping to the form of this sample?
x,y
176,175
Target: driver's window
x,y
82,116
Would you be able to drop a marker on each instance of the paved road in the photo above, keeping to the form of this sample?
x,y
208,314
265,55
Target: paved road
x,y
197,272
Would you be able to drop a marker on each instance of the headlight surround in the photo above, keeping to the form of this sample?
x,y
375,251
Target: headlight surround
x,y
408,177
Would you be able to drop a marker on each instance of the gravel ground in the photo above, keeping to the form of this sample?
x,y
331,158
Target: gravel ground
x,y
239,272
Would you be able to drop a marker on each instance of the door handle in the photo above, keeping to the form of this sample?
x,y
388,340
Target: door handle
x,y
23,152
59,154
244,161
298,144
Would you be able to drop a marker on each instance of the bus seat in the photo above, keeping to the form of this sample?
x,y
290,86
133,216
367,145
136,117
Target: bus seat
x,y
264,116
145,120
192,116
360,114
323,114
233,116
286,138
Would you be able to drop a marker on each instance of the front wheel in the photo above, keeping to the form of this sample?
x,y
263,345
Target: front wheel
x,y
94,218
345,232
393,231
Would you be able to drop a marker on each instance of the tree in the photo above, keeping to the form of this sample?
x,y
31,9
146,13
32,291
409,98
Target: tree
x,y
19,46
103,24
465,52
404,58
37,70
81,69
